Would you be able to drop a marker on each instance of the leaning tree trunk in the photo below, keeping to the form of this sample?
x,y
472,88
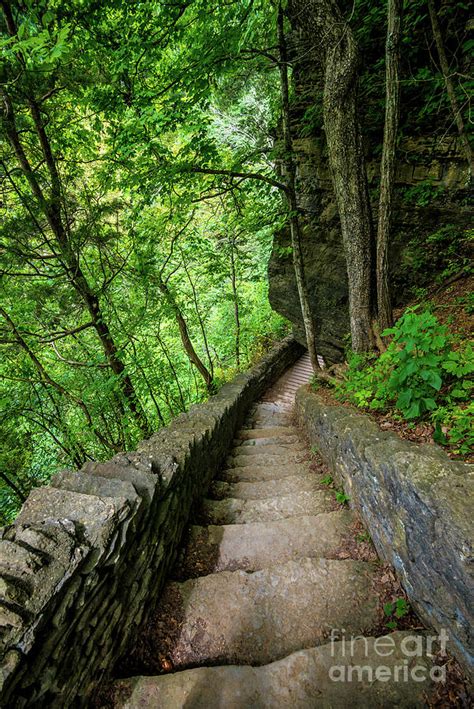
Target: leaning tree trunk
x,y
235,298
455,108
191,353
290,180
388,164
335,50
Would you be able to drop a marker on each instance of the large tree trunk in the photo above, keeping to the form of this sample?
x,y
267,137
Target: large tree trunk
x,y
334,47
455,108
290,181
388,164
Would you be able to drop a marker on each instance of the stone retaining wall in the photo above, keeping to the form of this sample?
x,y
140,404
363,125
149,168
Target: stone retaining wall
x,y
85,561
417,505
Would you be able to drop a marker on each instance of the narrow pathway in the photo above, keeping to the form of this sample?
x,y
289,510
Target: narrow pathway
x,y
259,588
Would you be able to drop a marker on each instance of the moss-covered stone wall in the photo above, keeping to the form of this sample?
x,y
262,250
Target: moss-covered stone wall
x,y
85,561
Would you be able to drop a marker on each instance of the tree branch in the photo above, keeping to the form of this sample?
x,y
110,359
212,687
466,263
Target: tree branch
x,y
244,175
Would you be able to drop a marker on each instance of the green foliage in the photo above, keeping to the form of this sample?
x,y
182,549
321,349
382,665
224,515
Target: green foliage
x,y
395,611
422,194
434,257
424,373
312,120
134,100
425,105
415,358
454,427
341,497
283,251
467,301
133,97
327,480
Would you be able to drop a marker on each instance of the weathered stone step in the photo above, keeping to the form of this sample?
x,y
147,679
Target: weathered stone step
x,y
255,546
275,421
268,488
260,473
295,450
292,384
256,618
299,681
263,443
267,432
273,416
278,414
238,511
283,457
266,407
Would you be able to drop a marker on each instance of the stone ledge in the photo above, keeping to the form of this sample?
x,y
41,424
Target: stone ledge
x,y
86,559
417,504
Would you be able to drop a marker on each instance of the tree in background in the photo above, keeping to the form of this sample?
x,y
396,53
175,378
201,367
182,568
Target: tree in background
x,y
388,162
447,76
105,337
332,42
289,176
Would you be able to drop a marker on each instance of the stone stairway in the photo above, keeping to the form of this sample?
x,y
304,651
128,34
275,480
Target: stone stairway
x,y
248,617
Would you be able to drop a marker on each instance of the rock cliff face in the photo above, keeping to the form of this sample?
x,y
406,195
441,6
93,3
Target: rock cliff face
x,y
425,163
325,271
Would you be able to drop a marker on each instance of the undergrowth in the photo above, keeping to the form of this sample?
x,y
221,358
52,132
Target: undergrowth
x,y
431,259
426,373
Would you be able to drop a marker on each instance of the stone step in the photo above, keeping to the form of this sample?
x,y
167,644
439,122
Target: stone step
x,y
269,411
301,680
255,546
273,441
282,458
261,473
238,511
256,618
267,432
219,489
273,420
295,449
266,407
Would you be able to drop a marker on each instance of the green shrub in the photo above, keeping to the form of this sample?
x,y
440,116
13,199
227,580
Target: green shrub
x,y
422,194
454,427
435,257
424,373
416,354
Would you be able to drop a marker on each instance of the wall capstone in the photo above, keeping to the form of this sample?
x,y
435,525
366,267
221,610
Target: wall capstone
x,y
85,561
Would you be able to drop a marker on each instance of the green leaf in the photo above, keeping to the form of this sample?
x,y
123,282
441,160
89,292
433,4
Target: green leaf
x,y
401,608
435,380
413,411
404,399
